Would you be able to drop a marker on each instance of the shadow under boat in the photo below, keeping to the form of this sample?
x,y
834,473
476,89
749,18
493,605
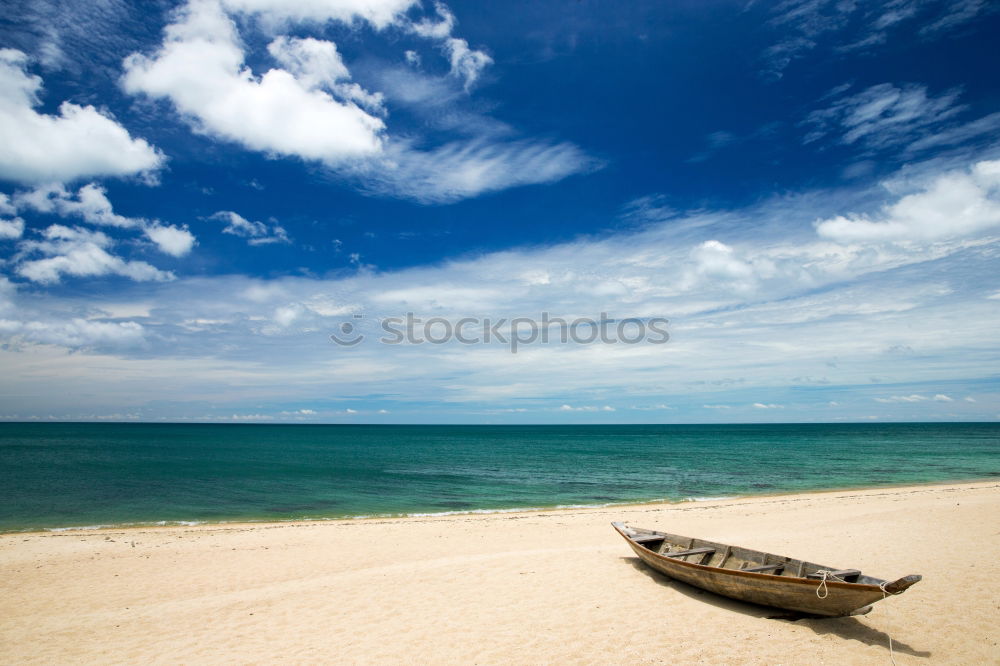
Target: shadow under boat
x,y
848,628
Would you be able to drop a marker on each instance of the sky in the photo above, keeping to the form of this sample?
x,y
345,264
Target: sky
x,y
281,210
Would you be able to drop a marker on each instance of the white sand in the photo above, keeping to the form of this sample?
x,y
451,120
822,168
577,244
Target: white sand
x,y
547,587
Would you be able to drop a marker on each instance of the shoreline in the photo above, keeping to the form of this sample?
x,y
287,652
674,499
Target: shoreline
x,y
516,512
555,586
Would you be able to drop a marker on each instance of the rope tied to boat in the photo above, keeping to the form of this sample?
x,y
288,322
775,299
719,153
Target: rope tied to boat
x,y
885,594
826,573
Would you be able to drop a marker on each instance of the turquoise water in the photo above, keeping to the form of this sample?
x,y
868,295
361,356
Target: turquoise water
x,y
82,474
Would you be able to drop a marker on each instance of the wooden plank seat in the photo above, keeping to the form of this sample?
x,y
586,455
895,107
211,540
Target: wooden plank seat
x,y
647,538
843,574
693,551
766,567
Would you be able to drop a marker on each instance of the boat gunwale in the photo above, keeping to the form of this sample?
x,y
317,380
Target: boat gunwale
x,y
749,574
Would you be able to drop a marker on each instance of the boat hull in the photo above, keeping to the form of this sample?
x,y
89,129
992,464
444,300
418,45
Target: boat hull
x,y
803,595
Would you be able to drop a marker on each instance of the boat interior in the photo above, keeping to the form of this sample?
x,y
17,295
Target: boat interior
x,y
712,554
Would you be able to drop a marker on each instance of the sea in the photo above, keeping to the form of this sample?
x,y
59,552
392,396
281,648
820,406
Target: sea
x,y
56,476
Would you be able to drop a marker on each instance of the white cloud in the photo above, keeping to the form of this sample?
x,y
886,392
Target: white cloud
x,y
200,68
6,207
379,13
761,405
256,233
76,333
956,13
987,126
915,397
847,314
883,115
903,398
807,24
955,204
309,108
80,142
91,204
466,64
441,28
316,64
586,408
459,170
171,240
11,229
81,253
716,261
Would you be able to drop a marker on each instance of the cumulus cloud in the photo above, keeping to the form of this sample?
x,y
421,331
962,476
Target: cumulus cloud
x,y
91,204
79,142
317,64
718,262
256,233
817,309
954,204
200,69
466,63
309,108
761,405
6,207
12,228
171,240
81,253
379,13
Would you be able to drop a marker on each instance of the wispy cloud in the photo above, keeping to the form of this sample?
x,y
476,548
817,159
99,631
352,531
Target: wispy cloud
x,y
308,106
806,25
751,314
200,68
256,233
939,397
882,116
464,169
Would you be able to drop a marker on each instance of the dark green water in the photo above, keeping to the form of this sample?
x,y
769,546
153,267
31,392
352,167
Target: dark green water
x,y
62,475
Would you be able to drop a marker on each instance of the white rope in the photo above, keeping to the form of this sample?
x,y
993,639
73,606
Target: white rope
x,y
881,586
826,573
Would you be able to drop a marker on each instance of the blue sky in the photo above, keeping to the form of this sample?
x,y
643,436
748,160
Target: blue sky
x,y
195,195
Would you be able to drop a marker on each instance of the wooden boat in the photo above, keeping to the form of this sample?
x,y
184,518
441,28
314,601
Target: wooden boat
x,y
761,578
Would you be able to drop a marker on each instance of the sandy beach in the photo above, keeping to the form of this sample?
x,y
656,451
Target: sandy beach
x,y
543,587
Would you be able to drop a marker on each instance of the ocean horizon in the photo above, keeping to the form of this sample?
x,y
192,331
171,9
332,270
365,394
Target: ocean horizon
x,y
80,475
